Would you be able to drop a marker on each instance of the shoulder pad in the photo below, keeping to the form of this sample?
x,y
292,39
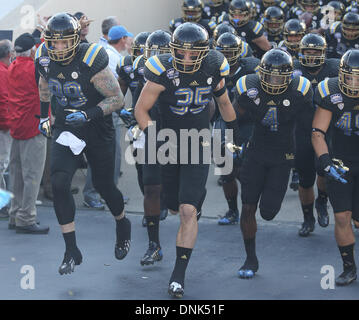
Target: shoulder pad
x,y
244,49
323,88
135,63
241,85
212,24
155,65
224,69
334,26
91,54
258,27
304,85
41,50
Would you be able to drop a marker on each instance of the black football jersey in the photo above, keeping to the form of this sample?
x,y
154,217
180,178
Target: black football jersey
x,y
329,69
345,119
209,25
337,45
212,12
184,102
70,85
124,70
250,31
275,116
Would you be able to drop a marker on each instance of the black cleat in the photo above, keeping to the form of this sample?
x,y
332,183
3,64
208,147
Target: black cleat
x,y
175,290
231,217
153,254
249,269
71,259
294,184
122,249
347,277
307,227
322,210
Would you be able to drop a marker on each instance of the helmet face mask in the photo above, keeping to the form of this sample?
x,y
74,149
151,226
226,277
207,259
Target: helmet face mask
x,y
217,3
157,43
311,6
62,38
239,12
312,50
139,44
276,71
189,46
293,32
192,10
268,3
348,79
230,46
350,26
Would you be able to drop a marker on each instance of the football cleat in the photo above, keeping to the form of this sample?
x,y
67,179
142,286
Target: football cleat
x,y
249,269
122,249
70,261
322,211
231,217
347,277
307,227
153,254
175,290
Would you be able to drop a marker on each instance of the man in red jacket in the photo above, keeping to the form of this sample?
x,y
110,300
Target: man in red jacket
x,y
28,151
6,53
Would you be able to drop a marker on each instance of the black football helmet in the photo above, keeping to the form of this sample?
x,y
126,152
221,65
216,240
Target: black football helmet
x,y
193,38
220,29
312,41
62,27
274,20
350,26
157,43
253,10
231,47
192,10
339,9
311,6
276,71
139,44
349,73
239,12
293,28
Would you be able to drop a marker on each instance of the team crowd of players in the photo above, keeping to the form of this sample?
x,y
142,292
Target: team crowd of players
x,y
282,75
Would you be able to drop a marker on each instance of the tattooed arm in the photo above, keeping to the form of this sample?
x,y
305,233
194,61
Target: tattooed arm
x,y
106,83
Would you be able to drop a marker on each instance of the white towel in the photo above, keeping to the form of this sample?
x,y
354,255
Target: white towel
x,y
68,139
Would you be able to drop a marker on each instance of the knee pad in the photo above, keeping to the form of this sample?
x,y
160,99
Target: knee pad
x,y
268,215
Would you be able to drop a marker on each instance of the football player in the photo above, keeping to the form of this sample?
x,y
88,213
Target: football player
x,y
265,4
84,94
214,9
183,83
273,21
192,12
293,32
337,101
342,36
275,101
252,31
156,44
231,47
314,66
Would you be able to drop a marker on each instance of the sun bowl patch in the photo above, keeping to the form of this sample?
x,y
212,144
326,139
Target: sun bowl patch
x,y
44,61
336,98
252,93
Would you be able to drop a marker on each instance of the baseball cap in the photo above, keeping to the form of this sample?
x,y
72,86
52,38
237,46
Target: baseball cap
x,y
25,42
118,32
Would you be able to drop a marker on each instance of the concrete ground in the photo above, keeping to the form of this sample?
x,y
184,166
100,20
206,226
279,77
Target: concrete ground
x,y
289,266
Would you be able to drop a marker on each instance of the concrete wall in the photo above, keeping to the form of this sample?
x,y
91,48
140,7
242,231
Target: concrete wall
x,y
136,15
